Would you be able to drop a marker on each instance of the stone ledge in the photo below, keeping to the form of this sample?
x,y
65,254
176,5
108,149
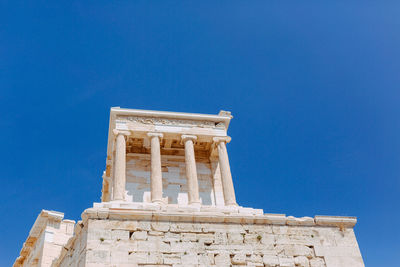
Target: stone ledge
x,y
216,217
175,208
338,221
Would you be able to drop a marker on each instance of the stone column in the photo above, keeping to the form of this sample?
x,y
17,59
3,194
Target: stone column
x,y
227,183
155,172
191,172
120,165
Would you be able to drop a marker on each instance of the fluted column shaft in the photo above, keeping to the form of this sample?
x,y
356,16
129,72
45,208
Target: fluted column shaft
x,y
226,176
191,171
120,165
155,172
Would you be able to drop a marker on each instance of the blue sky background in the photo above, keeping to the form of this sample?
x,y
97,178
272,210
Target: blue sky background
x,y
314,88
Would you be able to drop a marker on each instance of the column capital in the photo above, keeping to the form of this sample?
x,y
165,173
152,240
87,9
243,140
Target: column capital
x,y
117,132
188,137
153,134
225,139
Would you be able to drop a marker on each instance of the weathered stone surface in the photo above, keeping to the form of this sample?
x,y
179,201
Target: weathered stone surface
x,y
301,261
214,245
270,260
222,259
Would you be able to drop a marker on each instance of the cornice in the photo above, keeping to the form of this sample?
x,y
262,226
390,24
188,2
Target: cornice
x,y
217,217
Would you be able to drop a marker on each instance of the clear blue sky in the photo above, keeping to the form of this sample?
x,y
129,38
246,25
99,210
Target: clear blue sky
x,y
314,88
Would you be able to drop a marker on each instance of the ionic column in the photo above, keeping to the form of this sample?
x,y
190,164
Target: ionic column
x,y
155,172
120,165
227,183
191,172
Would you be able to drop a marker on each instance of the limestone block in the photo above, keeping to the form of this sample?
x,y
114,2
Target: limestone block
x,y
235,238
127,245
206,238
207,228
206,259
119,256
342,251
144,226
307,240
113,224
254,228
239,259
267,239
245,248
286,261
139,235
189,259
222,259
317,262
185,227
154,258
296,250
301,231
98,234
261,249
155,233
234,228
171,259
102,213
160,226
220,238
155,238
169,237
282,240
345,237
280,229
326,236
153,246
270,261
255,260
98,256
181,247
119,235
301,261
188,237
336,221
61,239
290,220
97,245
137,257
252,238
353,261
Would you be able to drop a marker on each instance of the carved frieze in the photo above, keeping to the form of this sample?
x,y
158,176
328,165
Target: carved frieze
x,y
173,122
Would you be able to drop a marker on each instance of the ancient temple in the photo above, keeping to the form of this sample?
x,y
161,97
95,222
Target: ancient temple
x,y
168,199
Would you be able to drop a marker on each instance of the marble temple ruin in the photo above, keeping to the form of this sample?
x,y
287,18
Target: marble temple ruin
x,y
168,199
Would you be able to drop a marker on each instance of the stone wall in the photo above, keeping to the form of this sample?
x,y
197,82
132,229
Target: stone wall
x,y
76,253
121,242
49,234
174,179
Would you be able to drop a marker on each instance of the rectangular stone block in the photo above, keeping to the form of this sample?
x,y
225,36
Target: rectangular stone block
x,y
98,256
119,234
235,238
139,235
